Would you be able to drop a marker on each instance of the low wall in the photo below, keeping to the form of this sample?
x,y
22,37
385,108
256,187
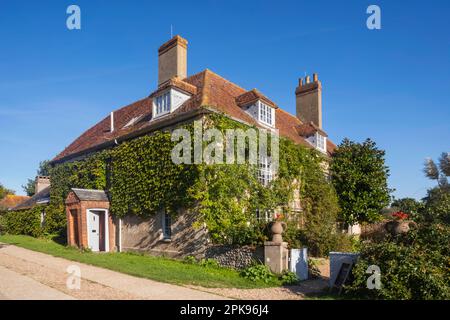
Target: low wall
x,y
235,257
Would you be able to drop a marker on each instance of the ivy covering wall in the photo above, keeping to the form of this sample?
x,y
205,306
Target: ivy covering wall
x,y
141,179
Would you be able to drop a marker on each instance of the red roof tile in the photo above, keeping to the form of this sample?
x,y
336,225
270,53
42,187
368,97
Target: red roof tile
x,y
251,97
208,90
11,200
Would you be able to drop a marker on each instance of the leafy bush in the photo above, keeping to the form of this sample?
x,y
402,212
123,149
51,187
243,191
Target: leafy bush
x,y
413,266
209,263
25,222
288,278
28,222
437,206
190,260
313,269
258,272
56,222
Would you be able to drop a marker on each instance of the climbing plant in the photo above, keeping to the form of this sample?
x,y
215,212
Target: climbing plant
x,y
141,178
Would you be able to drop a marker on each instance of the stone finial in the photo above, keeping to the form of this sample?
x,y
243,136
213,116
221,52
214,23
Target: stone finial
x,y
277,230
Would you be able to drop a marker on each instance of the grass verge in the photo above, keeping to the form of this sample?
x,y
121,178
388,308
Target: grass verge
x,y
145,266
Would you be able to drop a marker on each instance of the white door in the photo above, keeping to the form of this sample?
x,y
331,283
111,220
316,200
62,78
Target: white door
x,y
94,230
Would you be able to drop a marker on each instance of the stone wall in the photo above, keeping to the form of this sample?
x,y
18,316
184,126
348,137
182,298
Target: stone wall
x,y
146,235
235,257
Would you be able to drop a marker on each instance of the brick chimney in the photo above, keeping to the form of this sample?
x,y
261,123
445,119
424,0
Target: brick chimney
x,y
41,183
172,59
309,100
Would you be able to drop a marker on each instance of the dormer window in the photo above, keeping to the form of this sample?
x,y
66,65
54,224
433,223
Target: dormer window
x,y
168,101
258,106
321,142
266,114
162,104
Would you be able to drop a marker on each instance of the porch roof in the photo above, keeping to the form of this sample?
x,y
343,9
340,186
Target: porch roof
x,y
90,195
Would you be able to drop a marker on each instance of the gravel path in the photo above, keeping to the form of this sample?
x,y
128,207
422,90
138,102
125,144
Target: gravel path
x,y
299,292
36,275
96,283
14,286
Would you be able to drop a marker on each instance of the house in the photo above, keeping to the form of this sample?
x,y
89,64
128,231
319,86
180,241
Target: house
x,y
11,201
178,98
40,197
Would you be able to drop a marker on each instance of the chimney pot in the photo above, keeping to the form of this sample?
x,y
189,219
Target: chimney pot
x,y
309,100
315,77
41,183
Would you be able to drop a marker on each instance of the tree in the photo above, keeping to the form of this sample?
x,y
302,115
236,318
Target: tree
x,y
437,201
4,191
359,175
410,206
438,172
44,170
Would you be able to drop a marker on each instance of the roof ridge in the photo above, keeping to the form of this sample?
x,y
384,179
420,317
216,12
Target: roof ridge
x,y
97,190
219,76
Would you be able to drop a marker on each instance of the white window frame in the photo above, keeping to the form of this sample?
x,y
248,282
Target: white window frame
x,y
264,215
266,114
321,142
166,229
265,170
162,104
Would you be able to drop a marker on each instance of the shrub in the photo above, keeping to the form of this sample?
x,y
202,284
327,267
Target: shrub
x,y
258,272
25,222
288,278
190,260
313,269
413,266
209,263
56,222
437,206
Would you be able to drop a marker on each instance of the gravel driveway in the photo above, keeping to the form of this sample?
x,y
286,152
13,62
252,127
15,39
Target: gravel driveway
x,y
26,274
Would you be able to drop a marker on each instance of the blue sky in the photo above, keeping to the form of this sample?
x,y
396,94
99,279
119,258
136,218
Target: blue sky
x,y
392,85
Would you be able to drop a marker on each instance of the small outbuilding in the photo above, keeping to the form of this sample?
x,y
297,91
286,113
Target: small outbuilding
x,y
89,224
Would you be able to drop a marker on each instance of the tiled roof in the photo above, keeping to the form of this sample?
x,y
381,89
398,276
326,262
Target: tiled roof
x,y
308,129
42,197
90,195
12,200
251,97
208,90
177,83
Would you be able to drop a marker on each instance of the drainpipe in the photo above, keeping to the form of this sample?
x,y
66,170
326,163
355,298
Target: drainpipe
x,y
120,234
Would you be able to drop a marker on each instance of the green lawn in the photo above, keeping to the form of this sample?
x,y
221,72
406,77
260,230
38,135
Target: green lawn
x,y
145,266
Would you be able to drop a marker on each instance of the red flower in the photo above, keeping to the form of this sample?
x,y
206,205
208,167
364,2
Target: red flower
x,y
278,216
400,215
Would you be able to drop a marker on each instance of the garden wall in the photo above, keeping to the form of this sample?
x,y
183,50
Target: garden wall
x,y
234,256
